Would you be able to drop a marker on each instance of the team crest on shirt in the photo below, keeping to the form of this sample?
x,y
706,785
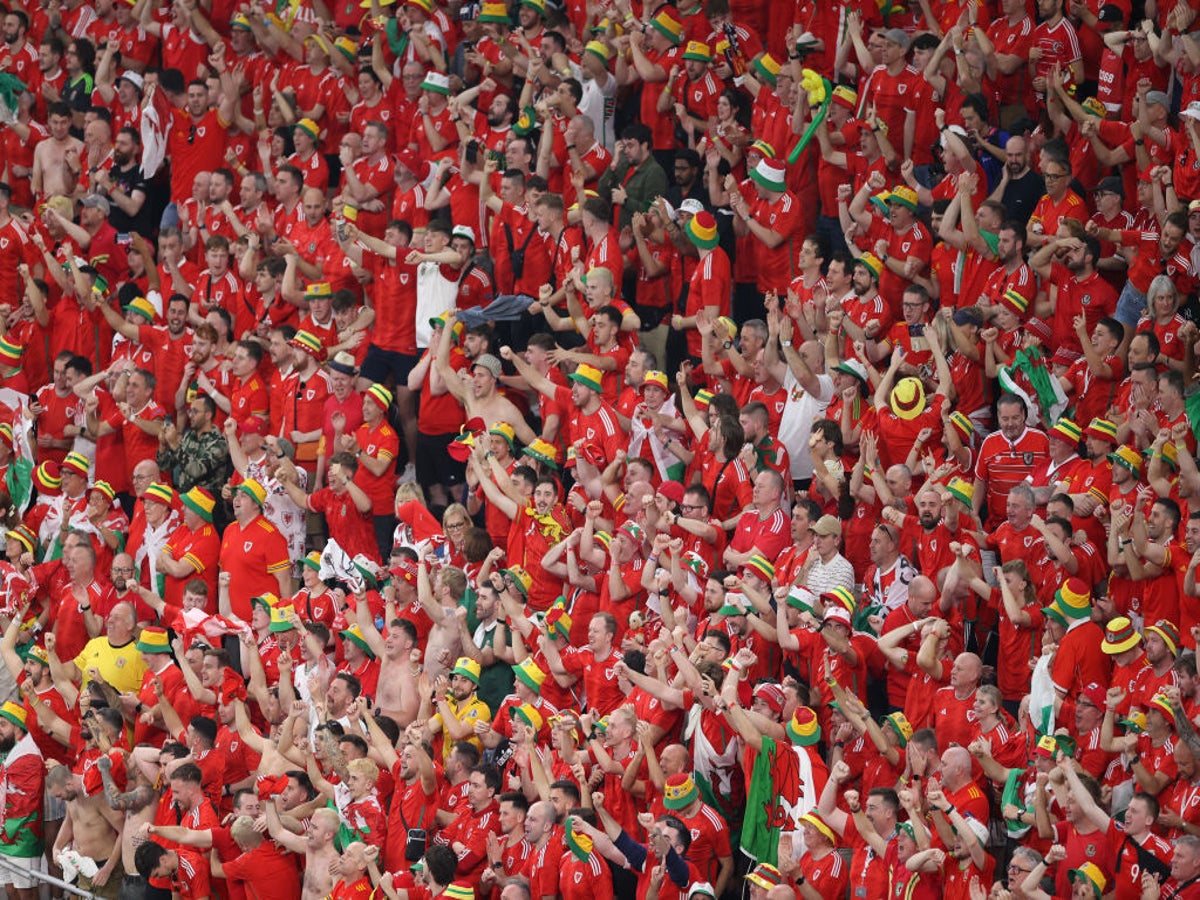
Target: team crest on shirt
x,y
3,243
902,87
1027,458
200,130
404,278
1090,850
246,546
905,246
1086,300
578,877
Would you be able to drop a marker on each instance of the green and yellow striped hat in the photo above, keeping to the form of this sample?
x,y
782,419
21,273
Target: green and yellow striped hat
x,y
309,127
580,845
381,395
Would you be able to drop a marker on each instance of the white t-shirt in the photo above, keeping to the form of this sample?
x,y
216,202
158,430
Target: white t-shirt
x,y
799,413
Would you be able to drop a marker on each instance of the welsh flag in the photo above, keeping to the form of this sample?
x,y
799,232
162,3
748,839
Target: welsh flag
x,y
22,778
193,623
1030,378
774,797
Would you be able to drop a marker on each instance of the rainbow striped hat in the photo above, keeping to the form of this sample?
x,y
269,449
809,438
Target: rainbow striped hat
x,y
47,477
160,493
1073,599
702,230
962,423
199,501
804,729
760,566
76,464
10,353
1067,430
310,344
1015,301
1103,430
105,489
381,395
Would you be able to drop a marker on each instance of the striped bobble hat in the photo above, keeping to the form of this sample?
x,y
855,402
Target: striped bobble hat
x,y
702,230
10,353
76,464
760,566
580,845
458,891
1074,599
309,127
310,343
763,148
103,487
160,493
1067,430
842,596
199,501
962,423
961,490
381,395
1102,429
804,729
47,477
6,433
703,398
1169,633
1015,301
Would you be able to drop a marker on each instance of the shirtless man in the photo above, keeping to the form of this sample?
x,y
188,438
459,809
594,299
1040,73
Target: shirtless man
x,y
92,828
444,644
396,694
56,163
480,398
316,845
139,804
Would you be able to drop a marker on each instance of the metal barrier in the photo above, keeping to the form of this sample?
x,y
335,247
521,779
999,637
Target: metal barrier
x,y
46,878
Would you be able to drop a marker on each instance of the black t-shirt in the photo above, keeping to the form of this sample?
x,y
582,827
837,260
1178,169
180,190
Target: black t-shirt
x,y
130,180
1021,197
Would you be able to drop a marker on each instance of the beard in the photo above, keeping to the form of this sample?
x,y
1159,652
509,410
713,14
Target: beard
x,y
7,743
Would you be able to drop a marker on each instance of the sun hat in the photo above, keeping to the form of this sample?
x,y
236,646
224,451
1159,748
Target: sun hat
x,y
908,398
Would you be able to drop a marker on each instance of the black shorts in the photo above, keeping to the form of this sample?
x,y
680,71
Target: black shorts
x,y
379,363
435,465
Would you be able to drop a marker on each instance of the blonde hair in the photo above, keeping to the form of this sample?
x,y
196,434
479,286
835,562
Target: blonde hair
x,y
364,767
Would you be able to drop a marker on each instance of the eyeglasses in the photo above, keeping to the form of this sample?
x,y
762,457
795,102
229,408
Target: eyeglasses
x,y
455,526
1013,867
689,507
1053,176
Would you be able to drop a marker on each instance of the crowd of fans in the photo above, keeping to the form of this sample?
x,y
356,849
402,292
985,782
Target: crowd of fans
x,y
600,449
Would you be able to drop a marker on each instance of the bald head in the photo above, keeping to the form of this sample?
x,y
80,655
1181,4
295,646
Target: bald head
x,y
921,594
675,759
956,767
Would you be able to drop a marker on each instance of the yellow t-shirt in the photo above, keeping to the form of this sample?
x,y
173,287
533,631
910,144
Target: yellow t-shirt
x,y
122,667
474,710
